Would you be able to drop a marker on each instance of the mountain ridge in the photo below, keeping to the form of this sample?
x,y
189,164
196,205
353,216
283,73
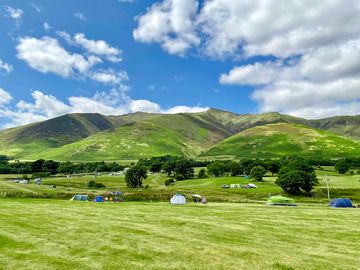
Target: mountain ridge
x,y
198,132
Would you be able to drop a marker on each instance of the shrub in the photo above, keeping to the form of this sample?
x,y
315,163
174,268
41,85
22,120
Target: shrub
x,y
202,174
257,173
169,181
91,184
179,177
99,185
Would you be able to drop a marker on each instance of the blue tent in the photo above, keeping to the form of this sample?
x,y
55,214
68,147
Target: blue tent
x,y
341,202
99,199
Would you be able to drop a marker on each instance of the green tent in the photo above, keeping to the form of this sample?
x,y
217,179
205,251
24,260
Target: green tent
x,y
280,200
79,197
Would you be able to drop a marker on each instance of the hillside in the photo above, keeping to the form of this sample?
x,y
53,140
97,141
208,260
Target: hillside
x,y
180,134
284,139
37,137
192,133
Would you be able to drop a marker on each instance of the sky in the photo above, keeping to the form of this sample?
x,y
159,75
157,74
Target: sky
x,y
121,56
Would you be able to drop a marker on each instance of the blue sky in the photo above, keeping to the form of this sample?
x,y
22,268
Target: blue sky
x,y
255,58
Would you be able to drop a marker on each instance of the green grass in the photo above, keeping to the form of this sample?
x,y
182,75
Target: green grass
x,y
51,234
154,188
283,139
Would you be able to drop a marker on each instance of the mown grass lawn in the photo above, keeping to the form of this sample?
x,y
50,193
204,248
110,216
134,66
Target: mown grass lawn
x,y
55,234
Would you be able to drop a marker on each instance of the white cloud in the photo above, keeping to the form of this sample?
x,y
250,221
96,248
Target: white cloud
x,y
14,13
47,55
5,68
126,1
315,47
5,97
47,26
222,28
258,73
98,47
170,23
114,102
80,16
323,82
109,76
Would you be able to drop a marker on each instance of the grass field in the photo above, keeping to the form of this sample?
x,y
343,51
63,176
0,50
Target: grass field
x,y
340,186
54,234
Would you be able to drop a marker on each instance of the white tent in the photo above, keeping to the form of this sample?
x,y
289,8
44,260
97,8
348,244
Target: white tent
x,y
178,199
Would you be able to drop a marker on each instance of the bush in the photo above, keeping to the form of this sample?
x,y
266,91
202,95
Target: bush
x,y
169,181
342,166
202,174
99,185
91,184
257,173
179,177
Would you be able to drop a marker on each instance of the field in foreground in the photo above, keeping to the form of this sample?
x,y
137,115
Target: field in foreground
x,y
54,234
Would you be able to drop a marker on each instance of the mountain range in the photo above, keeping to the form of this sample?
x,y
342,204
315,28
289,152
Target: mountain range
x,y
210,134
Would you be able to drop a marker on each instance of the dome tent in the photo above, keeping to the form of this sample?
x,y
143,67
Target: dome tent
x,y
80,197
280,201
341,202
178,199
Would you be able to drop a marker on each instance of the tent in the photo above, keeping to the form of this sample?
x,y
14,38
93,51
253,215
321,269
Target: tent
x,y
79,197
178,199
281,201
99,199
341,202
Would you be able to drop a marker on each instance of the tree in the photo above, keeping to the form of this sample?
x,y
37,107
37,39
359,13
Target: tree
x,y
202,174
273,166
342,166
257,173
155,167
216,168
168,167
184,167
51,166
235,168
37,166
297,177
135,175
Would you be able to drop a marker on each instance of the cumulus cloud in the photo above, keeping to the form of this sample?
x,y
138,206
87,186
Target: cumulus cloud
x,y
45,106
221,28
47,55
313,46
97,47
170,23
5,68
5,97
109,76
322,82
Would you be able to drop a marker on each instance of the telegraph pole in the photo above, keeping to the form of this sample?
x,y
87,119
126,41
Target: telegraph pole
x,y
327,186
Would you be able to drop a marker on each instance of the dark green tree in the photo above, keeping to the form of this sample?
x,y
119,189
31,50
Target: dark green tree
x,y
235,168
184,167
202,174
257,173
342,166
155,167
216,168
135,176
297,177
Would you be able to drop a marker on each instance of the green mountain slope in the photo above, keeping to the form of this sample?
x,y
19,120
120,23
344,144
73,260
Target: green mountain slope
x,y
181,134
130,141
37,137
283,139
192,133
